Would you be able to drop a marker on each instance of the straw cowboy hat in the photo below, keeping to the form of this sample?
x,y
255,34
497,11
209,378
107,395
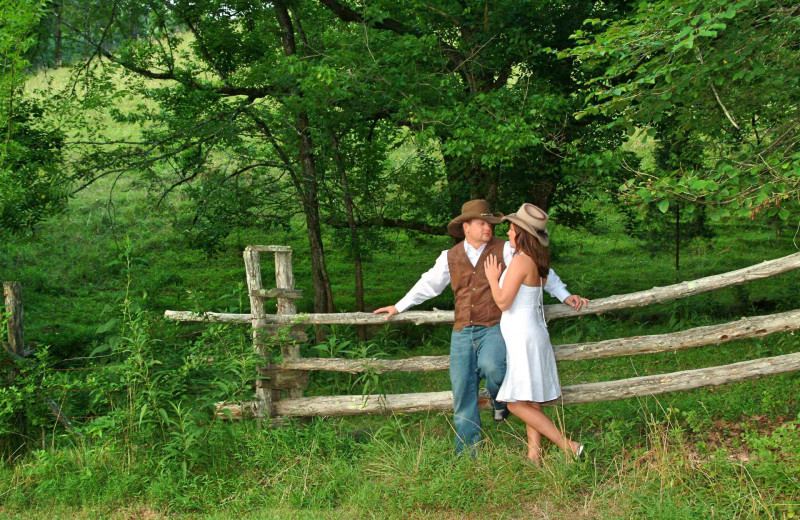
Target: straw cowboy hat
x,y
533,220
478,208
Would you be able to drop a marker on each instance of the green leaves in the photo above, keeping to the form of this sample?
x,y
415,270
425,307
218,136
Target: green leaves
x,y
713,76
32,182
33,185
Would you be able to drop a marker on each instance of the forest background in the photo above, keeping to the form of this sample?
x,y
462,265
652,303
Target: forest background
x,y
146,144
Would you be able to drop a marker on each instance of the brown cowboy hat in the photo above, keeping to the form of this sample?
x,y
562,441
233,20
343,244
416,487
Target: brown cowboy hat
x,y
533,220
478,208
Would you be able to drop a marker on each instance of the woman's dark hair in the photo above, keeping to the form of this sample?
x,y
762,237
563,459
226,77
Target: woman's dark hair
x,y
528,244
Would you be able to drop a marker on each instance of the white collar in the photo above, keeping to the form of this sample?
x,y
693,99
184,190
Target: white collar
x,y
469,249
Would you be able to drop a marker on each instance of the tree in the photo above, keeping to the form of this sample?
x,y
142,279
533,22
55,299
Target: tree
x,y
501,103
248,94
726,75
32,184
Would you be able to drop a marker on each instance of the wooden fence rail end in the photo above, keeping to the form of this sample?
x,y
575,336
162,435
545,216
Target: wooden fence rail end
x,y
12,292
269,249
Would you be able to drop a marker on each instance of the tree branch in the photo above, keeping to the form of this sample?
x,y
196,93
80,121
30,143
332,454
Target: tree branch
x,y
716,95
727,114
422,227
347,14
264,128
224,90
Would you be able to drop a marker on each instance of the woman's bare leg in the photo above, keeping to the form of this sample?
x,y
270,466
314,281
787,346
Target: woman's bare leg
x,y
533,416
534,445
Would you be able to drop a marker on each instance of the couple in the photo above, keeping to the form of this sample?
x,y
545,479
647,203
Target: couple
x,y
499,321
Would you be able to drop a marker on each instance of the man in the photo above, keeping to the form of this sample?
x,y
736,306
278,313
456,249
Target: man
x,y
477,349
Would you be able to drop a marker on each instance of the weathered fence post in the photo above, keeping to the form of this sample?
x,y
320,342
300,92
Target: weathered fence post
x,y
12,292
284,278
12,440
272,376
252,265
272,379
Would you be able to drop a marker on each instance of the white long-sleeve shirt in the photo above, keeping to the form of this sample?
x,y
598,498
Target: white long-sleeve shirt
x,y
434,282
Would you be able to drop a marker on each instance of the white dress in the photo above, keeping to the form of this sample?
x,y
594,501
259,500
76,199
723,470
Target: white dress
x,y
531,373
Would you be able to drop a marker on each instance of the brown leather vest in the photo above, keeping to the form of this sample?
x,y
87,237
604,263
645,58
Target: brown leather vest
x,y
474,302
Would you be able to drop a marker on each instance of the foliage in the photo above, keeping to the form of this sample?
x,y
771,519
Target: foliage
x,y
53,45
718,77
21,406
137,390
365,383
17,19
32,181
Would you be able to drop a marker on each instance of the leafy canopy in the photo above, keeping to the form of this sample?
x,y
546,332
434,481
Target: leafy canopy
x,y
721,78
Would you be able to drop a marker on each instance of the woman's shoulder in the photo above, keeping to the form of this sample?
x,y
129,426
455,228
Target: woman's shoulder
x,y
524,263
523,258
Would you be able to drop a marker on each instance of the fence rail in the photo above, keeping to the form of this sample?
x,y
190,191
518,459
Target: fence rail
x,y
744,328
556,311
292,375
344,405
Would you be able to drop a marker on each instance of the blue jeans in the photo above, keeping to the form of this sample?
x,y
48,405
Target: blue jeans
x,y
476,352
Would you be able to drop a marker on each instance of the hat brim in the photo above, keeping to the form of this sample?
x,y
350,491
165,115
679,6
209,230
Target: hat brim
x,y
542,236
455,229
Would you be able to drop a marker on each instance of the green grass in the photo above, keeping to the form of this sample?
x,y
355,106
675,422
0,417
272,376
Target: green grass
x,y
405,469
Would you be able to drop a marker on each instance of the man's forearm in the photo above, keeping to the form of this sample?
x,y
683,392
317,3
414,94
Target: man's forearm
x,y
555,287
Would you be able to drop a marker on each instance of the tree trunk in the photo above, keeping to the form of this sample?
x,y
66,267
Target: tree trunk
x,y
57,39
540,194
677,241
323,297
355,242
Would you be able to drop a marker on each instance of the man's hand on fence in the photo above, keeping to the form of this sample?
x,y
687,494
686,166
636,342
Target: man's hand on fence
x,y
576,302
391,310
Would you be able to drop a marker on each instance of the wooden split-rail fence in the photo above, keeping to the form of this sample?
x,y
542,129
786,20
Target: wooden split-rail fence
x,y
279,389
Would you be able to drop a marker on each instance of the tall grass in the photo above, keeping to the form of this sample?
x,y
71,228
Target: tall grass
x,y
405,469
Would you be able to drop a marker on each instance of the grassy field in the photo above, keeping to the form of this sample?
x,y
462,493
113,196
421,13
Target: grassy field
x,y
150,448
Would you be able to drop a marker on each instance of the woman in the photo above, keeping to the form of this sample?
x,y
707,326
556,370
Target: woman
x,y
531,376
